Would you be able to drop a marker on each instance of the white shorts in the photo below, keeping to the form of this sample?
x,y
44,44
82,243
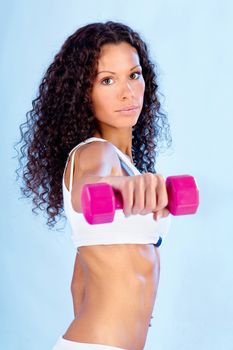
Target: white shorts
x,y
64,344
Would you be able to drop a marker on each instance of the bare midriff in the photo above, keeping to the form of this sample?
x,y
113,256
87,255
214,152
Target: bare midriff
x,y
121,282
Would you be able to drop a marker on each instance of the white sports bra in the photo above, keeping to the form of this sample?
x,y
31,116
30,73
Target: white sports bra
x,y
141,229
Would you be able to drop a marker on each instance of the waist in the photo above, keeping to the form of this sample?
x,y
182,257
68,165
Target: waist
x,y
118,313
121,277
124,299
121,319
121,283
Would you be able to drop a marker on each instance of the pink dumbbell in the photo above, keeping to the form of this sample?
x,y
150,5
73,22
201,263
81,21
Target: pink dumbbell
x,y
99,200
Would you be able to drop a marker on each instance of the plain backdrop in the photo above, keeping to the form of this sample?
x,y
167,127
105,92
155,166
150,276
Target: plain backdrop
x,y
191,43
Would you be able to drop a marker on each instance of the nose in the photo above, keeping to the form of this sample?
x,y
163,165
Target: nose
x,y
126,90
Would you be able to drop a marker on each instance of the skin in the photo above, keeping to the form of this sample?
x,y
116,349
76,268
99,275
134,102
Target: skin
x,y
112,92
112,303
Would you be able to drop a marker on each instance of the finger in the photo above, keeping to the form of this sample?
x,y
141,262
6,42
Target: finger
x,y
157,215
128,197
161,193
139,197
160,214
166,212
150,199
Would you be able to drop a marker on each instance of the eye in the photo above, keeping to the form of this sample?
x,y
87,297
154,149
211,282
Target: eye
x,y
139,73
105,79
109,78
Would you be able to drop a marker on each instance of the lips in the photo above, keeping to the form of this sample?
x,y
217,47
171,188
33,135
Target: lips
x,y
127,108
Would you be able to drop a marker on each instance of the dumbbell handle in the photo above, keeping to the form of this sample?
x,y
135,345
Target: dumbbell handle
x,y
182,191
184,195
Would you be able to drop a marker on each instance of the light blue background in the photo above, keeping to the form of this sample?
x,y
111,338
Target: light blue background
x,y
192,45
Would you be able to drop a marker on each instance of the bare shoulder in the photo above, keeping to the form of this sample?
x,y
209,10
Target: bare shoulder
x,y
96,153
94,158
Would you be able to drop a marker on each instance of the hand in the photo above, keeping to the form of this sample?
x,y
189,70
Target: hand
x,y
142,194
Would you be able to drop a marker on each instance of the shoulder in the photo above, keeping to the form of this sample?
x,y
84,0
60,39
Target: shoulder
x,y
96,153
96,157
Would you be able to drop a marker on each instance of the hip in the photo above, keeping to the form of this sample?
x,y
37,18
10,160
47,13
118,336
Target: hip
x,y
65,344
120,318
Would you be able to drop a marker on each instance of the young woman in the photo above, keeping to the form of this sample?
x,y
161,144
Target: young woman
x,y
97,118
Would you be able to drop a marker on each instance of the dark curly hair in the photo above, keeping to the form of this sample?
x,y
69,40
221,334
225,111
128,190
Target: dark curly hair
x,y
62,114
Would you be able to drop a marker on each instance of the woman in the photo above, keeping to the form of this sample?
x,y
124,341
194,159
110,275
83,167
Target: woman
x,y
97,119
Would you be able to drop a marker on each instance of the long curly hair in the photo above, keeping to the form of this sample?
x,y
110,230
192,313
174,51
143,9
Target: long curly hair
x,y
62,115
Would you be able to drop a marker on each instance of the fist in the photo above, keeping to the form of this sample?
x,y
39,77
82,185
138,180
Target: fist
x,y
143,194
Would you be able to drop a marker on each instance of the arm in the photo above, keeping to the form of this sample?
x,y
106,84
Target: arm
x,y
93,163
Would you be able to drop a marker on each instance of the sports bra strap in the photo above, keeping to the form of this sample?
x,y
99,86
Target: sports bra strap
x,y
72,170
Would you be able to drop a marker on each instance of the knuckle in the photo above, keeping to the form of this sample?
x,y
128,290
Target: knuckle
x,y
149,175
160,177
149,178
162,201
136,210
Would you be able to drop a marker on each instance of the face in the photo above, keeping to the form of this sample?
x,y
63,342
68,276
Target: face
x,y
119,84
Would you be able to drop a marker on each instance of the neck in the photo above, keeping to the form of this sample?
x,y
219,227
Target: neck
x,y
123,141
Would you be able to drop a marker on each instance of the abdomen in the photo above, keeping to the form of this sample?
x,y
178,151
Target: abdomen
x,y
121,286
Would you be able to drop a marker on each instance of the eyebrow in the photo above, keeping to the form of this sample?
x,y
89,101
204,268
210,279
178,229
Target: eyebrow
x,y
108,71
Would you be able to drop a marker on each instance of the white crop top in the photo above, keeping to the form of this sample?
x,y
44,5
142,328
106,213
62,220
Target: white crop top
x,y
141,229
